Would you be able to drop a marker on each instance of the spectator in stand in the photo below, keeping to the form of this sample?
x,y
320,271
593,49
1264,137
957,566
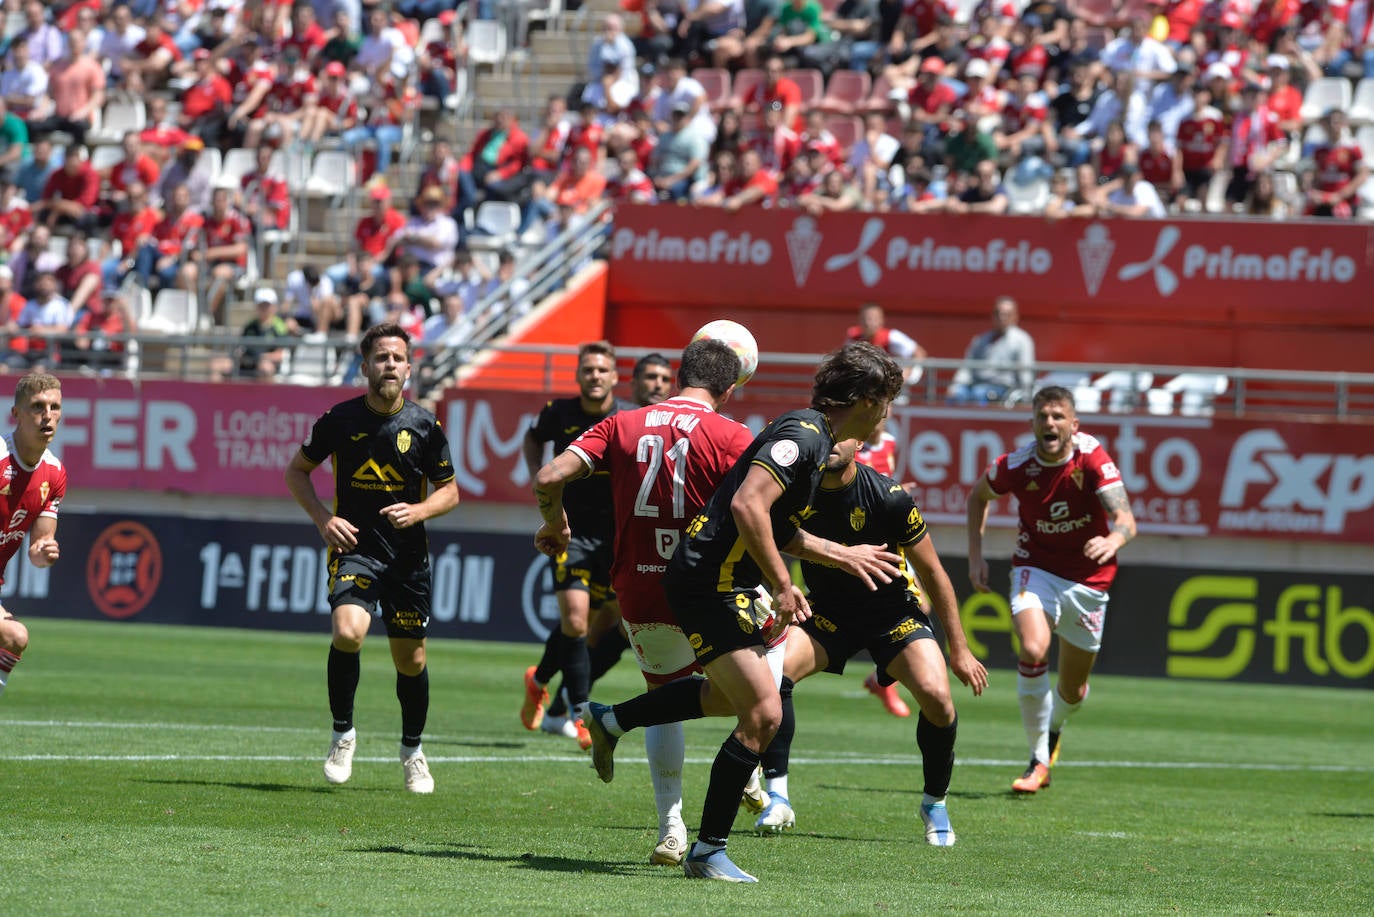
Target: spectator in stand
x,y
384,54
871,158
817,138
1116,151
706,23
853,26
729,134
723,174
342,39
207,102
1338,172
102,317
438,62
262,359
24,84
307,37
966,147
630,185
1172,101
656,40
1122,102
1072,108
1255,143
983,193
372,235
1201,150
16,346
46,42
1158,164
873,328
742,44
312,303
149,65
776,87
1007,349
79,279
547,149
263,197
14,142
776,143
914,30
1025,128
981,98
1356,49
932,99
680,89
184,172
834,194
136,167
161,137
389,107
290,102
47,313
1285,100
1137,53
364,290
495,166
76,83
1264,200
336,109
122,36
755,187
71,193
134,222
226,235
430,236
33,258
800,26
611,65
574,190
679,160
440,172
15,218
161,261
1217,76
1068,198
1129,195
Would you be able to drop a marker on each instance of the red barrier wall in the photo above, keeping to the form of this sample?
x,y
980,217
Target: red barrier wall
x,y
1198,292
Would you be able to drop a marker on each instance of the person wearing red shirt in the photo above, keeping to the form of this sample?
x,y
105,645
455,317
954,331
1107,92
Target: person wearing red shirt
x,y
136,166
1285,99
92,347
931,99
79,279
817,138
336,108
755,185
1061,574
161,259
630,184
776,143
1256,140
588,134
1201,147
15,216
11,306
549,147
150,65
71,193
1025,129
371,237
1157,164
1269,17
264,197
1338,172
1182,16
291,101
495,164
440,172
206,104
777,88
132,227
307,37
571,193
226,235
161,136
983,98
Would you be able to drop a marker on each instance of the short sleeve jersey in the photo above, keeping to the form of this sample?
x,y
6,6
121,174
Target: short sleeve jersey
x,y
588,501
381,459
25,494
870,509
1060,508
664,461
792,449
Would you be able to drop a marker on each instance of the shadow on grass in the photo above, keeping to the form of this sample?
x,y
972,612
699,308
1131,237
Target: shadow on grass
x,y
471,743
905,791
261,787
522,860
743,831
1345,814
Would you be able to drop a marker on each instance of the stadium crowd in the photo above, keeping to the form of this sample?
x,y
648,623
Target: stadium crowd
x,y
147,145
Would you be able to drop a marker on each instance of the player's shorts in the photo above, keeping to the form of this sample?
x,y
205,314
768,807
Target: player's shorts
x,y
716,622
1076,612
401,600
586,567
884,632
662,650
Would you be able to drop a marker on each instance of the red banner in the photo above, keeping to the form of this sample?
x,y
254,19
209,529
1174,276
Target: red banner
x,y
1195,270
177,437
1186,476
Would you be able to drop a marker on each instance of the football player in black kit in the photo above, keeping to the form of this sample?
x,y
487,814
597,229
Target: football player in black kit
x,y
582,575
857,505
387,451
731,548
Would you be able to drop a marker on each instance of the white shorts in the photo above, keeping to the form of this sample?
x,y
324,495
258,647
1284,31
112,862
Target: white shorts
x,y
662,650
1075,612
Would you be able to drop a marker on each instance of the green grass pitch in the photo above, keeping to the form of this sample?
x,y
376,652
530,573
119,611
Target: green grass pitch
x,y
159,770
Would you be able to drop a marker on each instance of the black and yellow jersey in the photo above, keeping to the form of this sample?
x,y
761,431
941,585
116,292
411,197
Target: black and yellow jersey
x,y
381,459
793,449
587,501
871,509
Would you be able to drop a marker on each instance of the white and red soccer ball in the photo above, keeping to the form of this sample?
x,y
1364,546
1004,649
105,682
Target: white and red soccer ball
x,y
741,341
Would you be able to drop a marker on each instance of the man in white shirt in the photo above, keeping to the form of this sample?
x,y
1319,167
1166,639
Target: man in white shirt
x,y
1136,52
24,83
120,40
611,62
1134,197
384,51
46,313
681,89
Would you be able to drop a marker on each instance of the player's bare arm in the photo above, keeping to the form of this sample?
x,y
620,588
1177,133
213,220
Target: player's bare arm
x,y
549,482
404,515
338,533
750,506
926,562
979,499
43,542
871,563
533,452
1117,505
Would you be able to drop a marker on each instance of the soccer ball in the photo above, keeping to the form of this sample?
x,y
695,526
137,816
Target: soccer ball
x,y
740,341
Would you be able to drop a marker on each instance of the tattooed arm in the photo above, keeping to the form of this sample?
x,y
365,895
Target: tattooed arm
x,y
1117,506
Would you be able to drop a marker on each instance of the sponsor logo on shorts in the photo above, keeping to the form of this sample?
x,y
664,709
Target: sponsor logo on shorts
x,y
824,623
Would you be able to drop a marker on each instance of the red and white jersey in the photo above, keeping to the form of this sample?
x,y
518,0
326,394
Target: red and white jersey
x,y
1199,137
825,142
882,456
1336,166
25,494
987,101
1060,508
665,461
1021,113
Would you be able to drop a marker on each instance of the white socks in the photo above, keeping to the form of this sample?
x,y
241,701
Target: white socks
x,y
1033,693
666,747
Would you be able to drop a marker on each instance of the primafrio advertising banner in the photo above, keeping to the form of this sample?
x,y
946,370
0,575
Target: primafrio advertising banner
x,y
1293,627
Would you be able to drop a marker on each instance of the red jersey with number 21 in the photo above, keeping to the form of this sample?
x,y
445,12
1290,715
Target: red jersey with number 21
x,y
25,494
665,461
1060,508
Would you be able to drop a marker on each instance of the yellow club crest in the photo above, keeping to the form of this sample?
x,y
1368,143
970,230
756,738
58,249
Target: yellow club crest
x,y
42,492
1077,475
403,441
857,518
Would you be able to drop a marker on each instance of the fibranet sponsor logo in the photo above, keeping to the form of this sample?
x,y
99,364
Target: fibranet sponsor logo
x,y
900,253
720,247
1170,264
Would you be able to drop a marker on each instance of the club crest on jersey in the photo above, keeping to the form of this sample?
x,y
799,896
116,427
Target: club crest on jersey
x,y
43,489
403,442
857,518
1077,475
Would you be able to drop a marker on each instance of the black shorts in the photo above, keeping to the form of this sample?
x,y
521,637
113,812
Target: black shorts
x,y
883,632
715,622
402,600
586,567
1195,182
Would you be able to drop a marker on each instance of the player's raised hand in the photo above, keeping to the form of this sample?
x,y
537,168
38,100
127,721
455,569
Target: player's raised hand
x,y
400,515
872,563
43,552
340,534
552,541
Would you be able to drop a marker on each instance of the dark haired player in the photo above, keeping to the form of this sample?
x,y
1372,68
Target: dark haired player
x,y
386,452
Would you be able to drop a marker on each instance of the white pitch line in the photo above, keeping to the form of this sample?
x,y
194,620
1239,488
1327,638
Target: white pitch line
x,y
807,761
